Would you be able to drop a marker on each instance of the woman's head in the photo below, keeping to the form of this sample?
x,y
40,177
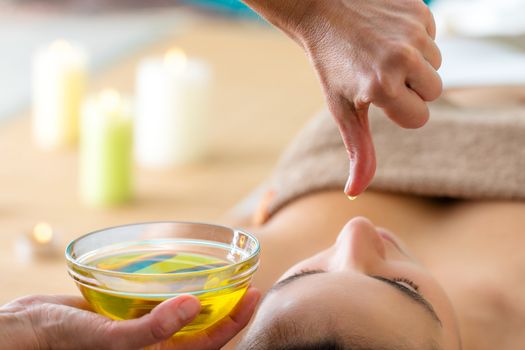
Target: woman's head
x,y
364,292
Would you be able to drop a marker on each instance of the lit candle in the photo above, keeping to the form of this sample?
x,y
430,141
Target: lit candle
x,y
40,242
106,150
59,79
172,110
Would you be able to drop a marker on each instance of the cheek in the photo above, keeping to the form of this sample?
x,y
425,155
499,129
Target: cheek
x,y
441,303
431,290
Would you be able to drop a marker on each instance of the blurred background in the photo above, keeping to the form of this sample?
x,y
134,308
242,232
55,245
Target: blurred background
x,y
189,105
241,94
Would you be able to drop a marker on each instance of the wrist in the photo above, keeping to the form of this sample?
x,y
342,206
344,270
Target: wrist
x,y
291,16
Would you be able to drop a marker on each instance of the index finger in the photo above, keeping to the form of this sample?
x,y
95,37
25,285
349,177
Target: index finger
x,y
408,109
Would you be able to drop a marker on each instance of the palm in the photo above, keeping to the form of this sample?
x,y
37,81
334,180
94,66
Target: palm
x,y
67,322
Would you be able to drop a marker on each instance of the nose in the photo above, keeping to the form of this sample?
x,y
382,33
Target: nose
x,y
358,246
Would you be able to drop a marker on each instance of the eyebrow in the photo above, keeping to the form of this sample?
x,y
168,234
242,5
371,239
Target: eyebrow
x,y
414,296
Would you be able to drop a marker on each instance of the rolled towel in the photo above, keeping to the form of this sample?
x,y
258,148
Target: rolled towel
x,y
468,153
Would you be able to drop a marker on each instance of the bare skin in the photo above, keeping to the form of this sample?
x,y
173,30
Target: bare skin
x,y
68,322
365,52
470,247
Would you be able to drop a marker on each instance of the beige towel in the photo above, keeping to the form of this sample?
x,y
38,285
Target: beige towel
x,y
460,153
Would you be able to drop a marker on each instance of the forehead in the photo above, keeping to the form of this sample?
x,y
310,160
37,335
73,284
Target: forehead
x,y
357,306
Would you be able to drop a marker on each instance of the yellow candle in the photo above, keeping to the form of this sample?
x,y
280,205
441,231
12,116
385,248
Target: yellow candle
x,y
59,79
106,150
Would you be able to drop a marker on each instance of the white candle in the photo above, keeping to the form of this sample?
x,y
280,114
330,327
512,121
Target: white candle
x,y
40,242
172,110
106,150
59,79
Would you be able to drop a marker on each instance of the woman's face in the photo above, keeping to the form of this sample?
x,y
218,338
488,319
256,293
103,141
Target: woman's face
x,y
365,291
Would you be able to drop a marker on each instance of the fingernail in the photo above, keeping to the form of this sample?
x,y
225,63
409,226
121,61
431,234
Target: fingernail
x,y
188,309
351,177
348,185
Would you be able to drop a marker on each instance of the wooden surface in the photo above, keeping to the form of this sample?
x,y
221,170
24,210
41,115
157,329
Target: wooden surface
x,y
264,90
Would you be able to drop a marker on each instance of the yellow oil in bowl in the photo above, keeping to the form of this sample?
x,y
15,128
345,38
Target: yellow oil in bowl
x,y
125,271
216,304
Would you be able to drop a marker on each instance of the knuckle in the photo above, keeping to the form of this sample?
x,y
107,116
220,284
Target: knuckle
x,y
429,17
400,55
109,330
422,10
374,89
45,327
26,301
159,331
383,88
419,38
425,12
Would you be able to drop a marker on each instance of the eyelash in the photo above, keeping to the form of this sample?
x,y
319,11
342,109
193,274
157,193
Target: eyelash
x,y
307,271
395,279
407,281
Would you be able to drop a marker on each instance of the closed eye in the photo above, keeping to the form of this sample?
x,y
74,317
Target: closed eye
x,y
411,293
294,277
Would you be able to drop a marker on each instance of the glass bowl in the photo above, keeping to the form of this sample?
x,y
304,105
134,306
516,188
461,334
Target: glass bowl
x,y
125,271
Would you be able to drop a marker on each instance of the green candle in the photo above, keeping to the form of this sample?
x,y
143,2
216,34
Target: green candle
x,y
106,150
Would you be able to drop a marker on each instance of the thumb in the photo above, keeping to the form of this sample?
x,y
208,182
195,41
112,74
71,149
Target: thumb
x,y
355,131
160,324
